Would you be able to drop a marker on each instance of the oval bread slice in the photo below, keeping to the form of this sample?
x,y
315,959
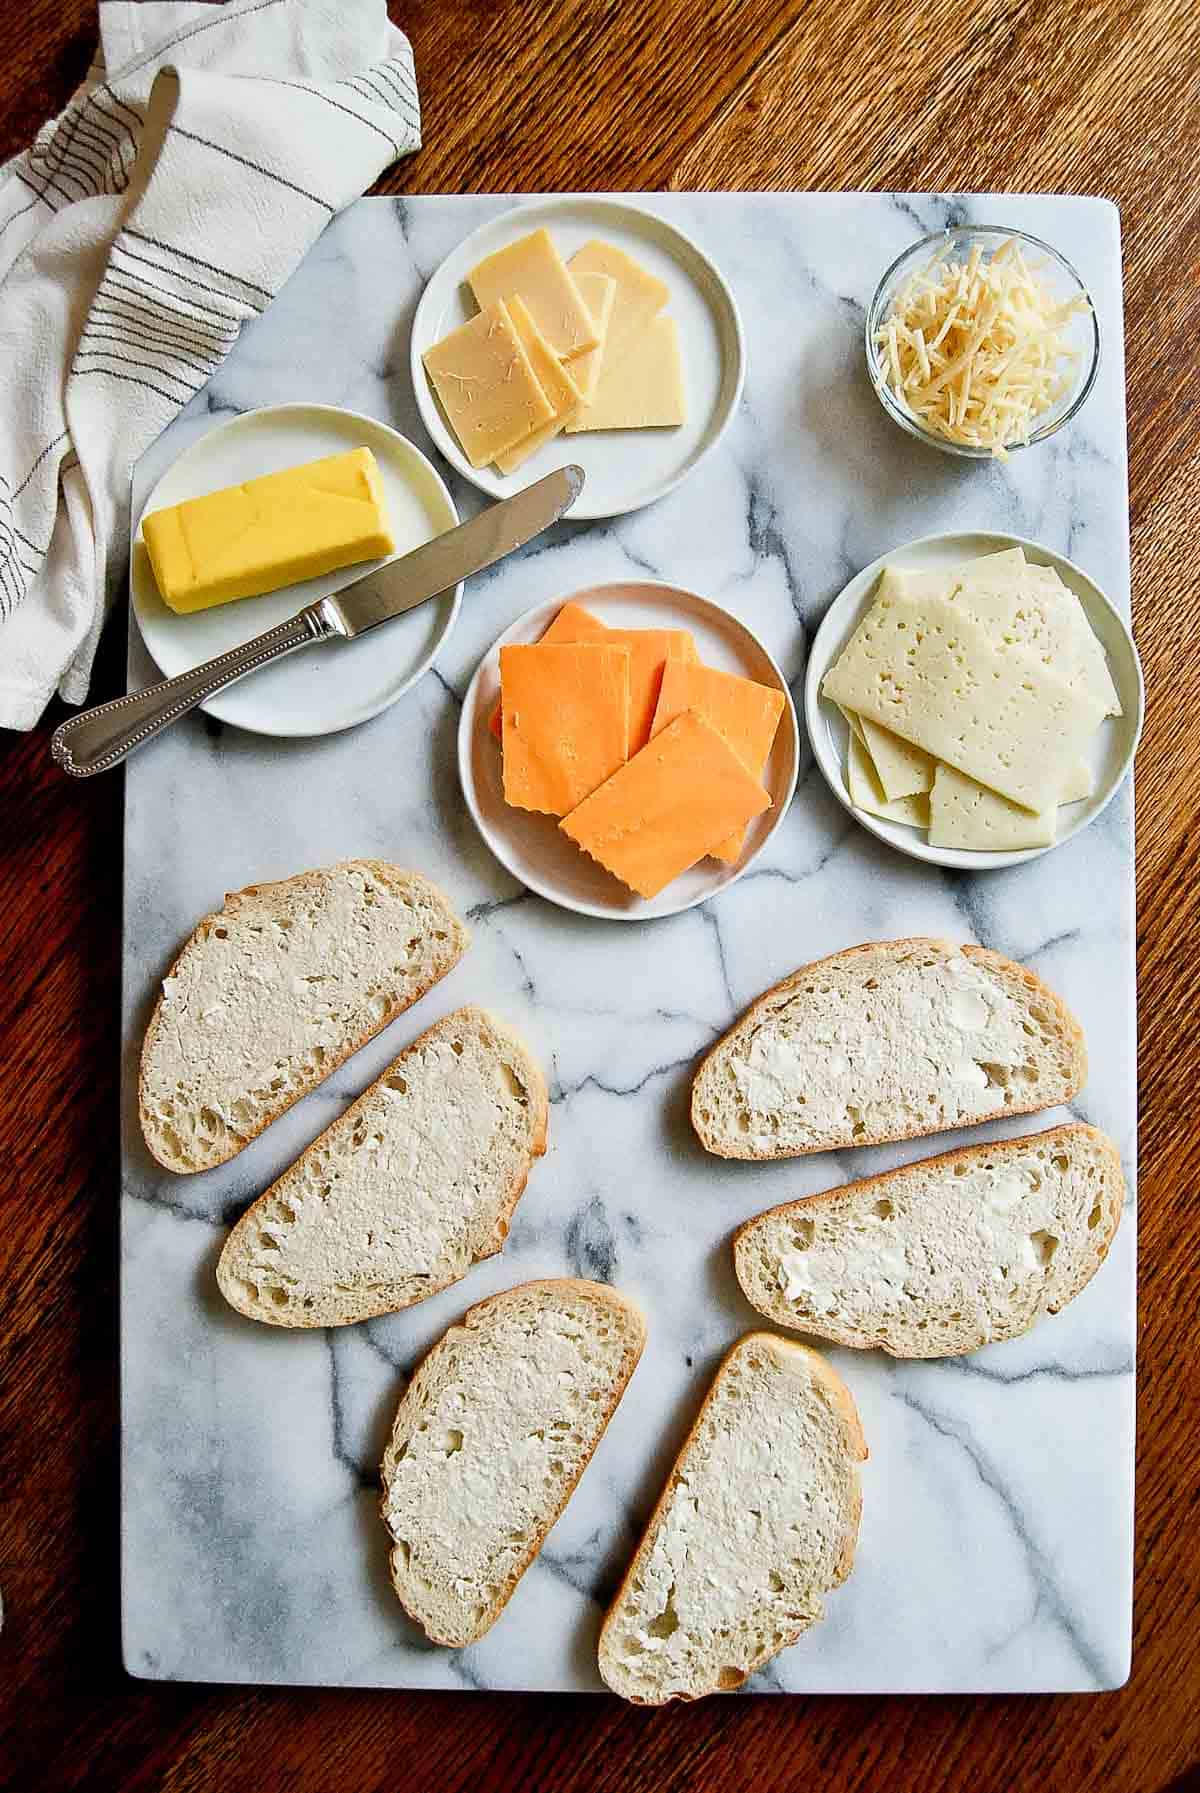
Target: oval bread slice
x,y
942,1256
758,1520
275,991
410,1187
887,1041
493,1432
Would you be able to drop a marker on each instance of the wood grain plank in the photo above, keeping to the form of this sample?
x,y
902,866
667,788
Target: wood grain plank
x,y
991,94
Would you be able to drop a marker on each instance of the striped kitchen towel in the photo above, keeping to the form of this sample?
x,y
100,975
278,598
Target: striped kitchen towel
x,y
208,147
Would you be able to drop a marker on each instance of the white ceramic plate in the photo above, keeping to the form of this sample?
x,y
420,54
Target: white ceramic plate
x,y
1111,751
625,468
531,846
331,685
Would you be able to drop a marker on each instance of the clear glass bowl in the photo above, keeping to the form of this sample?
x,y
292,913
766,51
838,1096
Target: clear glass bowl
x,y
1082,334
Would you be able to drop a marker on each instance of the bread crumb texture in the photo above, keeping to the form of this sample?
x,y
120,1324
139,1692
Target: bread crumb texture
x,y
942,1256
274,991
493,1433
886,1041
404,1192
757,1522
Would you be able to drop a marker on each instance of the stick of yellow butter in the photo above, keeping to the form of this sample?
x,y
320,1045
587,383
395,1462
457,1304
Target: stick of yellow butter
x,y
272,531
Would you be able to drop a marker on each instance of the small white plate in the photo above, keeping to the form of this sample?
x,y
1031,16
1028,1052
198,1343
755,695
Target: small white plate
x,y
531,846
625,469
1111,752
331,685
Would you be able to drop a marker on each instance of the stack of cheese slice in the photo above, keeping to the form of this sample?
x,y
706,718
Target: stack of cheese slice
x,y
651,760
972,694
556,347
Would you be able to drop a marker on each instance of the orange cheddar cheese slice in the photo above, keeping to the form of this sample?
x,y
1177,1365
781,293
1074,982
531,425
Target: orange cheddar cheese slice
x,y
649,651
743,712
565,721
671,804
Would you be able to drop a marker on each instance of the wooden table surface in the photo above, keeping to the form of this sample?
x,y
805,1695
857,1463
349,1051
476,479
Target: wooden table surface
x,y
1091,96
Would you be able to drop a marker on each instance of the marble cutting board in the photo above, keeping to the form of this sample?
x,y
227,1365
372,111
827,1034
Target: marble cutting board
x,y
996,1546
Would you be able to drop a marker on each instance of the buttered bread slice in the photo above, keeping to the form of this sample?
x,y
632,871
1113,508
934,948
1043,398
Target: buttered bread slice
x,y
758,1521
275,991
408,1189
886,1041
942,1256
492,1435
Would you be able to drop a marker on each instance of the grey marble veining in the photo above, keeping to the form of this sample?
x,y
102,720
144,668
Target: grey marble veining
x,y
996,1545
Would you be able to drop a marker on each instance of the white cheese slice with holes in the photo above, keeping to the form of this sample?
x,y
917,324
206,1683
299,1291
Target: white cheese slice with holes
x,y
964,815
867,793
1022,609
899,768
924,670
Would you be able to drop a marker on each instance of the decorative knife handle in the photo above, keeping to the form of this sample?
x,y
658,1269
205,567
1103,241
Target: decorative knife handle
x,y
100,738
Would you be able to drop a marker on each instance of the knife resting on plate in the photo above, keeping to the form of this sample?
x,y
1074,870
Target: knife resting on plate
x,y
100,738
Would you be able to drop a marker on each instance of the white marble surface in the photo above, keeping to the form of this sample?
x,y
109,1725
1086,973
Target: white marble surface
x,y
997,1531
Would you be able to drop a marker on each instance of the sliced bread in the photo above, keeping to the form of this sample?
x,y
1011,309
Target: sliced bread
x,y
886,1041
275,991
942,1256
759,1519
407,1189
492,1435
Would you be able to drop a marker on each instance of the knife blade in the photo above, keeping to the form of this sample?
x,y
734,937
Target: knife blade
x,y
438,565
99,738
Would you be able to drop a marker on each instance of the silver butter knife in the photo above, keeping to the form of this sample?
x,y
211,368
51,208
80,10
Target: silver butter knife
x,y
100,738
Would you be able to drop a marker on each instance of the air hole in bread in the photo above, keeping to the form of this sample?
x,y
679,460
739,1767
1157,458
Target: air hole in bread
x,y
1044,1245
396,1083
280,1297
729,1678
268,1242
221,933
883,1208
454,1441
514,1085
802,1234
403,1552
1095,1217
286,1213
1061,1163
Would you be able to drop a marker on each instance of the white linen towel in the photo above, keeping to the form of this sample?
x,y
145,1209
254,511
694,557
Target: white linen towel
x,y
208,147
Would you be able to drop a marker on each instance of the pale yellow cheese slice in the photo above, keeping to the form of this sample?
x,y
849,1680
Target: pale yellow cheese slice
x,y
901,770
965,816
638,297
925,671
555,380
599,292
867,793
487,386
645,391
1081,782
533,268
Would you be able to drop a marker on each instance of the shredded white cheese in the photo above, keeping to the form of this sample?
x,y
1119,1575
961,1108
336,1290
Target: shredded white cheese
x,y
975,350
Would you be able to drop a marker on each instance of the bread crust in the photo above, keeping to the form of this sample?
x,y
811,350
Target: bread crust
x,y
295,1319
474,1318
840,1398
393,876
1114,1193
1007,970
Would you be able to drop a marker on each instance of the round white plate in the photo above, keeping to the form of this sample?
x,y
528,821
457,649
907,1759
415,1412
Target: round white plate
x,y
625,468
331,685
1111,752
531,846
